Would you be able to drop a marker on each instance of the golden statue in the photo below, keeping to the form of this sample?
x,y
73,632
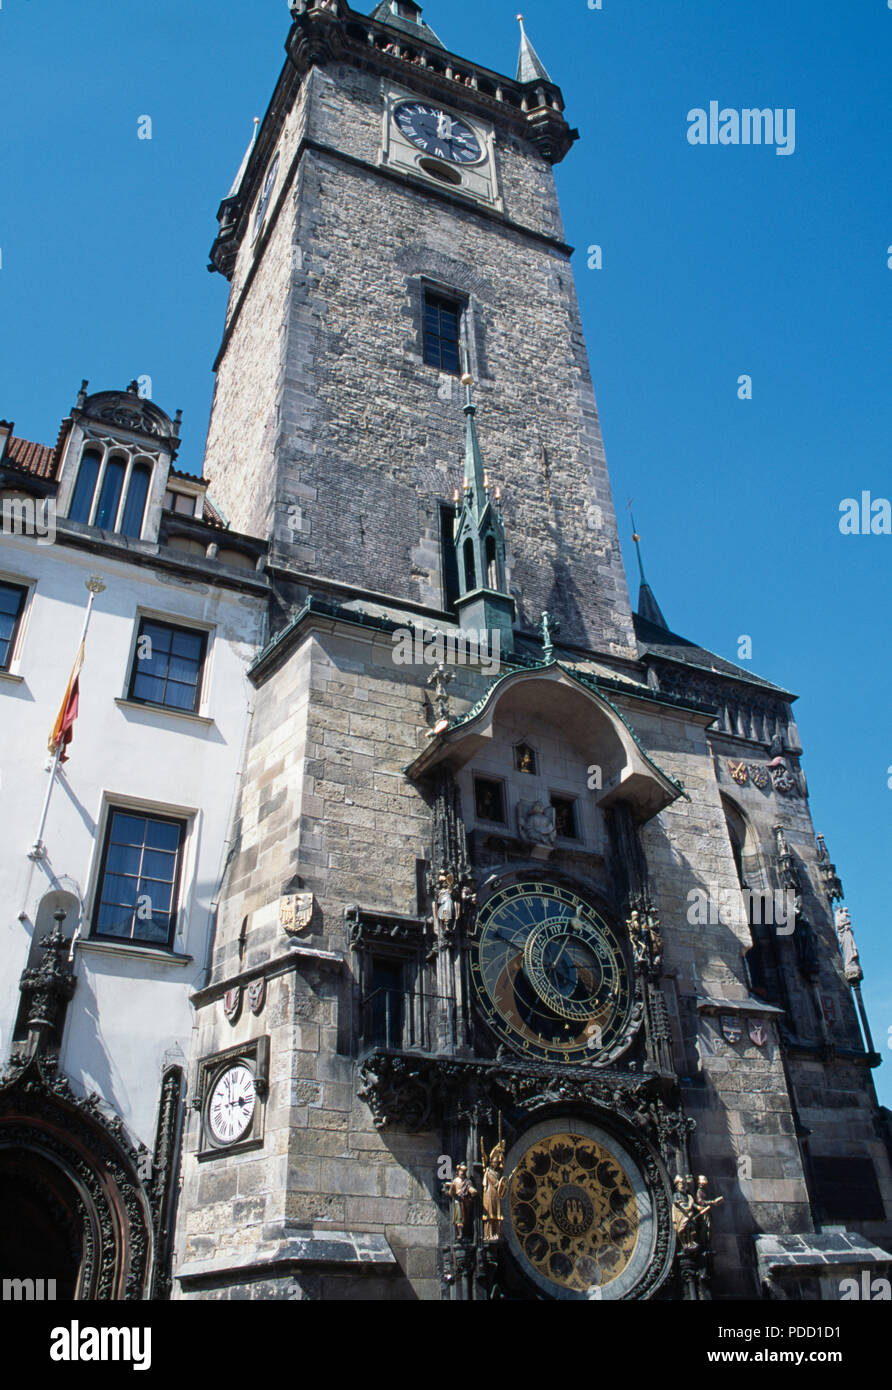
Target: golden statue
x,y
495,1188
462,1193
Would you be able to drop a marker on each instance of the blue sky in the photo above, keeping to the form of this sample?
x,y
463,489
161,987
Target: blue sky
x,y
718,262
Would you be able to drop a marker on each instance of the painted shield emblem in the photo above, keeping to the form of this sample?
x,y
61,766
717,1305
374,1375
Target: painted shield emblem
x,y
232,1003
739,772
296,912
257,995
758,1031
732,1028
759,775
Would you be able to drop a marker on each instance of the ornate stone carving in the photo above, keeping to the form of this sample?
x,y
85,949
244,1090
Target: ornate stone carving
x,y
40,1113
441,705
536,823
848,946
296,913
47,988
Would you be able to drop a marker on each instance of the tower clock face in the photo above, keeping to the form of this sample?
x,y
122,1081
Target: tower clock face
x,y
550,973
231,1106
438,133
269,184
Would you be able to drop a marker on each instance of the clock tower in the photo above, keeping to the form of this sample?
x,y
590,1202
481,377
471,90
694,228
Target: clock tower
x,y
459,1023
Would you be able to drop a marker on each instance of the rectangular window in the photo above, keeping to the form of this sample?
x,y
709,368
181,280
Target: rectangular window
x,y
847,1190
489,800
451,585
168,666
442,328
140,878
12,606
565,822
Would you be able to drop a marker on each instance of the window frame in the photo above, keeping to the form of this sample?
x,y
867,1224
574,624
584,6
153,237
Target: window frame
x,y
501,785
109,454
24,591
443,300
182,822
204,634
575,810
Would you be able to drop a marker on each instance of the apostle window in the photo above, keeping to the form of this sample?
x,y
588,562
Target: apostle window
x,y
489,800
442,332
168,666
12,606
139,880
111,492
565,821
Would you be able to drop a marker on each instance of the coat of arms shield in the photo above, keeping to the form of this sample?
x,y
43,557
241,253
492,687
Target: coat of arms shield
x,y
296,912
732,1028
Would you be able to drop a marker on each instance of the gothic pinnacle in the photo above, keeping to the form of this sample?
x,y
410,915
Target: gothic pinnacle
x,y
530,67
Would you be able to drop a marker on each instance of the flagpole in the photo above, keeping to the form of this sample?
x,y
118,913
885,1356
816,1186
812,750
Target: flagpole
x,y
94,586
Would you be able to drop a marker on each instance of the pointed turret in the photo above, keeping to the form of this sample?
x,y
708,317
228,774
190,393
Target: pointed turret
x,y
237,181
530,67
483,602
648,608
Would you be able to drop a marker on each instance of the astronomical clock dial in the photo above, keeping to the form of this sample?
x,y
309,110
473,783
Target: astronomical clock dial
x,y
438,133
231,1106
579,1218
550,973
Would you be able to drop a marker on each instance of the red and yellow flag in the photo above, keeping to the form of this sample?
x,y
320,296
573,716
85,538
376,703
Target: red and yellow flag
x,y
63,729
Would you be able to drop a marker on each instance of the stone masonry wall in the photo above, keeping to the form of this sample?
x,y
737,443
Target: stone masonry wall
x,y
326,413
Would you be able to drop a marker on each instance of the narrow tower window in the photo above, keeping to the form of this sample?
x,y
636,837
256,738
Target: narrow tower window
x,y
470,570
110,494
82,500
442,328
451,584
135,507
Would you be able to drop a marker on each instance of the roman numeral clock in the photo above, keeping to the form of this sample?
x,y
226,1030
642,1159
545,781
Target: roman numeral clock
x,y
440,144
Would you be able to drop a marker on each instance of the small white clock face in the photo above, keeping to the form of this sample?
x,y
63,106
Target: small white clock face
x,y
231,1107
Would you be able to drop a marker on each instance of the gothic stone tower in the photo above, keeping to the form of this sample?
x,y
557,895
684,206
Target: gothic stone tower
x,y
456,926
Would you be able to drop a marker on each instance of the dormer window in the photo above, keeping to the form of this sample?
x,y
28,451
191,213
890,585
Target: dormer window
x,y
111,491
183,503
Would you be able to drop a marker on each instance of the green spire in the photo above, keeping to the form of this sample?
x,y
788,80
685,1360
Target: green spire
x,y
483,602
478,494
648,608
530,67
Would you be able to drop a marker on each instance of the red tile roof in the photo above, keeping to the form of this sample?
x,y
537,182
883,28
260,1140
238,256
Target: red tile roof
x,y
31,458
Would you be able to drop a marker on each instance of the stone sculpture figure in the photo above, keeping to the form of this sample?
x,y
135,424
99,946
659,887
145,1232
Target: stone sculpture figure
x,y
848,945
537,823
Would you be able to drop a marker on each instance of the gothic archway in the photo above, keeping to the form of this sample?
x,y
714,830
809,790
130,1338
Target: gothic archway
x,y
64,1161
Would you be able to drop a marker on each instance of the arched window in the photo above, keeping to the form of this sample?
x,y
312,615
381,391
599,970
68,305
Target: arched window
x,y
470,568
84,488
110,494
135,506
492,568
